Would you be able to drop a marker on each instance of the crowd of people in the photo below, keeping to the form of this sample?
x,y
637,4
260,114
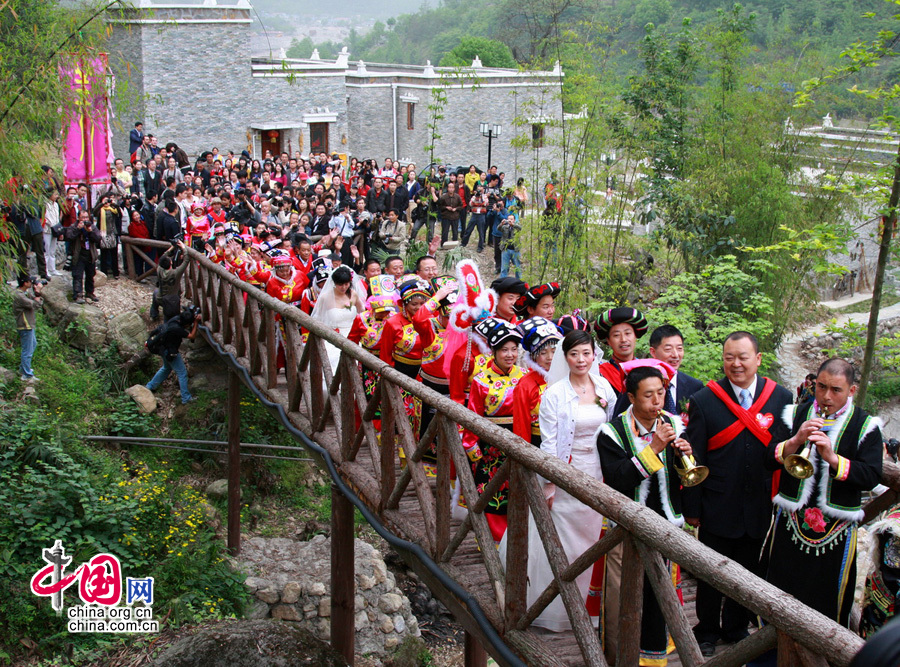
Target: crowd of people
x,y
306,232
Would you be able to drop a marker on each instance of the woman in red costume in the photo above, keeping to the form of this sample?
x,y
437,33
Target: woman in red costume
x,y
401,345
539,340
491,396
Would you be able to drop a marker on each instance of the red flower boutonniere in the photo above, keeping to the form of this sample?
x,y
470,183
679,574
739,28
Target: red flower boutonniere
x,y
599,400
814,520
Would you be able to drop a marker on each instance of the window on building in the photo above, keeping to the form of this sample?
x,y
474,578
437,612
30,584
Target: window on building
x,y
410,115
318,137
537,135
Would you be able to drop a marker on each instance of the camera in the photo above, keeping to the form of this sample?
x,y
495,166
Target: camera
x,y
37,280
191,310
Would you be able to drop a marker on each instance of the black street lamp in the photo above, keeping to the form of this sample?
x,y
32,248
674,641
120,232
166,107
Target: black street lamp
x,y
489,131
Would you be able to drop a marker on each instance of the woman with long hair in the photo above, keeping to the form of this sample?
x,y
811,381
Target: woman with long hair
x,y
279,175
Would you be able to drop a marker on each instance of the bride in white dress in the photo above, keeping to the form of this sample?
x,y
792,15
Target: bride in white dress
x,y
576,403
340,301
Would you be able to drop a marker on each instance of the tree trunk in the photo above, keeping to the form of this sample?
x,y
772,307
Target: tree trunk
x,y
887,232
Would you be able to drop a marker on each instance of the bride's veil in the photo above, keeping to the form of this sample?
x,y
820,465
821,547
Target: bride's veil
x,y
325,301
559,369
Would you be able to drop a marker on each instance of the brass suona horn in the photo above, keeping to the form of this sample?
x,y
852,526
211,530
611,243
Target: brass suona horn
x,y
690,473
798,465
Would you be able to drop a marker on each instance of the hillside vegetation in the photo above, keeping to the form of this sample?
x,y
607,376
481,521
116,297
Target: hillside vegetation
x,y
802,37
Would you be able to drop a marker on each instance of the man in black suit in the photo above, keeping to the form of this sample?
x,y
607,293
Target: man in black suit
x,y
136,138
153,179
730,425
397,198
667,344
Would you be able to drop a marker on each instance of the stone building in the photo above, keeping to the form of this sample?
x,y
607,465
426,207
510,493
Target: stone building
x,y
189,67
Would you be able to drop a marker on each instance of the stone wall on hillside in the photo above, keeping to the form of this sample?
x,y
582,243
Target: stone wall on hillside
x,y
291,580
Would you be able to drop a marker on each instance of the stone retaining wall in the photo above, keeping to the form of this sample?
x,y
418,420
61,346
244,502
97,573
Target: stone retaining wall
x,y
291,580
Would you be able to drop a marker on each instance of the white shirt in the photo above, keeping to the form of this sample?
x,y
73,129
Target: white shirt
x,y
737,390
557,414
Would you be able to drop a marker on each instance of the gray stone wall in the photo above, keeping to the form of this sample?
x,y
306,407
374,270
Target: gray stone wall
x,y
369,113
200,90
126,57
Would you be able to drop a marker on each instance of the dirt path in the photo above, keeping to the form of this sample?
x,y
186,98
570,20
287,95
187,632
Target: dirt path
x,y
793,366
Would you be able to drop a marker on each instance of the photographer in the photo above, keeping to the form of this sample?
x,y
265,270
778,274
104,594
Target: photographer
x,y
170,336
422,215
168,292
26,300
85,240
109,224
391,233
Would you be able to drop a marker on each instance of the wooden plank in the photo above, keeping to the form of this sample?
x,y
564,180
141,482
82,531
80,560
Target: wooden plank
x,y
661,582
532,649
585,560
228,319
458,538
256,361
317,399
631,605
387,452
271,342
474,654
291,359
419,479
348,406
788,656
217,309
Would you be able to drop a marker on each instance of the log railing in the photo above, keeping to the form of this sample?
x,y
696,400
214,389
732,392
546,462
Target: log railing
x,y
333,411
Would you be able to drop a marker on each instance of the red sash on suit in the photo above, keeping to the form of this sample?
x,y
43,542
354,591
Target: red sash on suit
x,y
745,418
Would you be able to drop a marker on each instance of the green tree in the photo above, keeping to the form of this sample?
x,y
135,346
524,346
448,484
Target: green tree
x,y
491,52
860,56
36,38
723,164
300,48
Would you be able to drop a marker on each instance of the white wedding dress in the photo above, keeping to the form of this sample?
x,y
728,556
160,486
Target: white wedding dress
x,y
340,319
334,317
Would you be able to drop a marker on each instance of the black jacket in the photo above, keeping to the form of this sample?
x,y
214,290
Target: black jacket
x,y
320,226
735,500
660,491
861,443
78,237
376,202
399,200
170,227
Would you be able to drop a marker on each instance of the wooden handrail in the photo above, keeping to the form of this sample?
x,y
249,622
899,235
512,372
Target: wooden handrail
x,y
652,534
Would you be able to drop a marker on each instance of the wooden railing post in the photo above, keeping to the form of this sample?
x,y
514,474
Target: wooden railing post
x,y
631,605
343,577
475,655
234,463
129,260
516,546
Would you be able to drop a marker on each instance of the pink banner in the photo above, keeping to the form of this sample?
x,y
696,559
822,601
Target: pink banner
x,y
87,153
